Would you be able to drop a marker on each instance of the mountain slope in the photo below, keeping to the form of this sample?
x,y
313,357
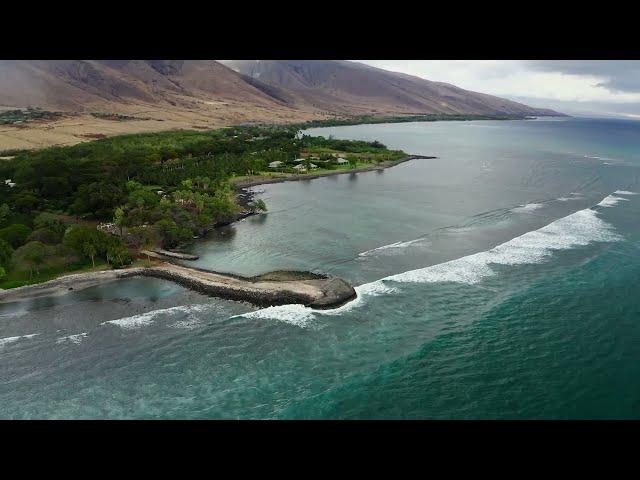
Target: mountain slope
x,y
84,84
150,95
154,95
351,87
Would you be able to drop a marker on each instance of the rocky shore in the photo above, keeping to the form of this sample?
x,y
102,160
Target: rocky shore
x,y
277,288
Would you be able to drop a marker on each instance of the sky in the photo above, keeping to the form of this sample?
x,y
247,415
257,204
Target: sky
x,y
575,87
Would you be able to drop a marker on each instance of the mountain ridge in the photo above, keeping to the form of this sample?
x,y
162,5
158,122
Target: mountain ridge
x,y
112,97
343,86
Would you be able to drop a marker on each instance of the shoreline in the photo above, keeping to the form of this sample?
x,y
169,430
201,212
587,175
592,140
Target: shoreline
x,y
80,281
297,177
274,288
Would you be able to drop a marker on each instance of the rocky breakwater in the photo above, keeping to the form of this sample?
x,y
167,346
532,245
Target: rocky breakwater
x,y
275,288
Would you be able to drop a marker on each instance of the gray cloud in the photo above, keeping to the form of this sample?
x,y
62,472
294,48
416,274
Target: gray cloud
x,y
618,75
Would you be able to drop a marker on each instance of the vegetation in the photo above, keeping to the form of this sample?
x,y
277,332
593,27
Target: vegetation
x,y
11,117
357,120
98,203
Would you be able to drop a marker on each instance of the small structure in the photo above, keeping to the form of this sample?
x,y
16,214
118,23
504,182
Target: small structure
x,y
275,164
342,161
300,168
298,160
9,183
111,228
313,165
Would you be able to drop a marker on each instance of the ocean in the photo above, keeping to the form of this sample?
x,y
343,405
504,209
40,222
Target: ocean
x,y
498,281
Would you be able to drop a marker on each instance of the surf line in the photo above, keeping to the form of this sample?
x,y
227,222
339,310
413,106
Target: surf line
x,y
580,228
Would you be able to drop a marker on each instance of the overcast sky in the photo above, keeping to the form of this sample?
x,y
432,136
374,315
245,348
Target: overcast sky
x,y
600,87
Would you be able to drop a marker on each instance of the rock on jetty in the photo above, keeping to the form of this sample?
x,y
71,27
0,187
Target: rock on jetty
x,y
276,288
289,287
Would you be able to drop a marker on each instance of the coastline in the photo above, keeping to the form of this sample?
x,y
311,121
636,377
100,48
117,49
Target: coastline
x,y
80,281
274,288
298,177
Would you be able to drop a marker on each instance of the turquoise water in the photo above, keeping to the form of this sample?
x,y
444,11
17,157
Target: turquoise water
x,y
497,281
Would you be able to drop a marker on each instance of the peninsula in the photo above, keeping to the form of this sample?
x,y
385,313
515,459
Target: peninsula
x,y
275,288
128,203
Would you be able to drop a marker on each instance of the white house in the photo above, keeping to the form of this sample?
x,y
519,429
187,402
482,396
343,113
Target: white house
x,y
342,161
275,164
313,165
298,160
9,183
300,168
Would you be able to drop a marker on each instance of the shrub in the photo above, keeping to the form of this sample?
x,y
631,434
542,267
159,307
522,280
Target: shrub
x,y
15,235
5,253
30,256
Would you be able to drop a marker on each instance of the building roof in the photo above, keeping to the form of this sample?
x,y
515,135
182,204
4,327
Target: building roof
x,y
277,163
342,160
300,167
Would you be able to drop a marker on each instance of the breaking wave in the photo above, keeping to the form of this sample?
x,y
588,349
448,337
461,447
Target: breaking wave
x,y
528,207
578,229
75,338
7,340
144,319
611,200
390,247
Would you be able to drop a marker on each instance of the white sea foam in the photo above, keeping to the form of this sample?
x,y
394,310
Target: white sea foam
x,y
391,246
301,316
578,229
7,340
189,324
75,338
295,314
528,207
624,192
611,200
144,319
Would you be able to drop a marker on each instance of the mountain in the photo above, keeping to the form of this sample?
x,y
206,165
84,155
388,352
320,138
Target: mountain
x,y
137,96
82,85
111,97
346,87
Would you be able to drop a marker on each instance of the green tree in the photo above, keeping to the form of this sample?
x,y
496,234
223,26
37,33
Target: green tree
x,y
5,212
45,235
119,218
90,250
170,232
117,254
30,256
258,205
86,241
3,273
15,235
51,222
5,253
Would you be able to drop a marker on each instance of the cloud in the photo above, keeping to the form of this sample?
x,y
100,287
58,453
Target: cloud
x,y
599,85
616,75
